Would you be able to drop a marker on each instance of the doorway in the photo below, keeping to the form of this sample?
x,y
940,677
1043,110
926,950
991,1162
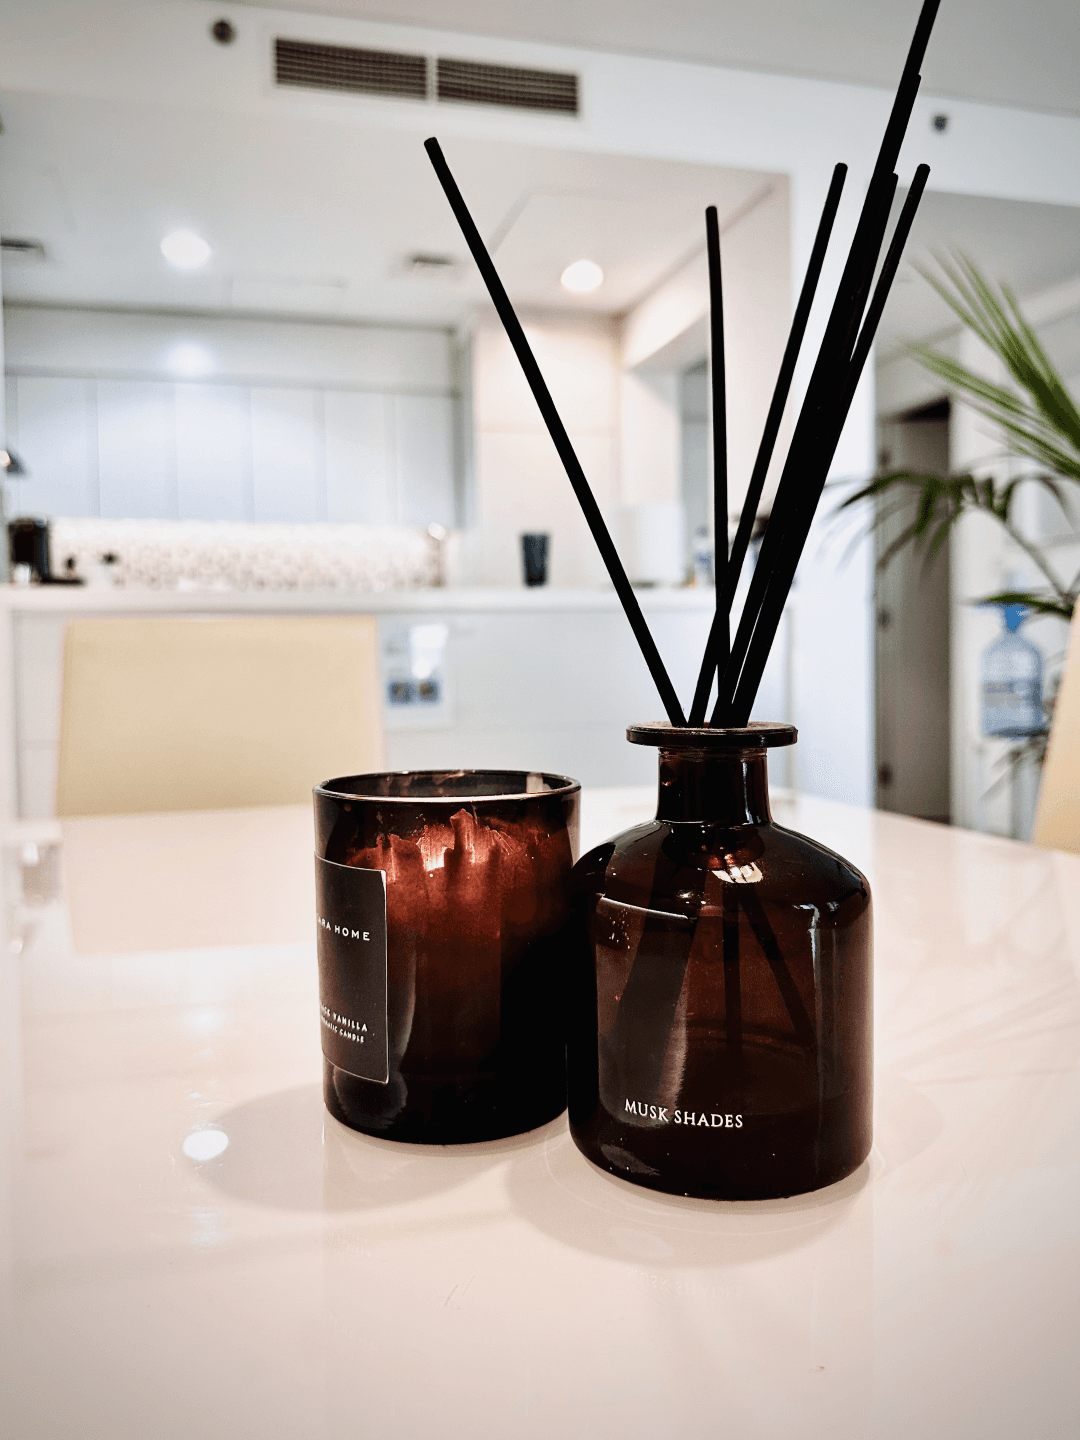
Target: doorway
x,y
911,661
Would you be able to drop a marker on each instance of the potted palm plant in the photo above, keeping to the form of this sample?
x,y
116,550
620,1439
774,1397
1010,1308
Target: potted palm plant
x,y
1038,422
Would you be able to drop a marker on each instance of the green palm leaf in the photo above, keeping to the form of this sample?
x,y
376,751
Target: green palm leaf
x,y
1043,423
1039,421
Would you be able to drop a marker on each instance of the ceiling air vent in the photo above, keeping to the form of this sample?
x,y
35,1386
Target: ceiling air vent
x,y
342,67
482,84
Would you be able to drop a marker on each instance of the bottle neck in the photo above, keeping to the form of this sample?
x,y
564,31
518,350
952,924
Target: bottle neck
x,y
714,789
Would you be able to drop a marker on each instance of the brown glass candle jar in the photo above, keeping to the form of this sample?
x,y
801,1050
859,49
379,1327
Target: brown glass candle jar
x,y
440,898
721,1036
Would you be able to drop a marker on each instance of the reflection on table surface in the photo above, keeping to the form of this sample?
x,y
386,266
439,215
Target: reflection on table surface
x,y
198,1250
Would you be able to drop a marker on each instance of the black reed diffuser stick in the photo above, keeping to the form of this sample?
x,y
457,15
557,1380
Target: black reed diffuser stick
x,y
810,450
719,634
841,358
769,617
824,409
557,431
812,447
718,384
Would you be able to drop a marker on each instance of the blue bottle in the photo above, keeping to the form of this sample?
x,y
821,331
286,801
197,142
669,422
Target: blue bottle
x,y
1012,680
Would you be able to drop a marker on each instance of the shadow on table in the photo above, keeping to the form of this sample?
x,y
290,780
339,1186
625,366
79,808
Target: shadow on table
x,y
554,1188
557,1190
287,1153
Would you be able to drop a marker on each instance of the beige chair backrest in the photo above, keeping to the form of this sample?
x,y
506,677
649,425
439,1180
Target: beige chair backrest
x,y
1057,820
206,714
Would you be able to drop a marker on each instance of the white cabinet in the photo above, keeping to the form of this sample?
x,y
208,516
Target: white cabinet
x,y
213,452
288,477
390,458
54,430
360,481
136,423
424,426
154,450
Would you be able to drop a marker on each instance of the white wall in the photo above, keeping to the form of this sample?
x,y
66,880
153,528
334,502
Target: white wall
x,y
668,331
616,385
279,420
650,437
821,676
520,484
832,638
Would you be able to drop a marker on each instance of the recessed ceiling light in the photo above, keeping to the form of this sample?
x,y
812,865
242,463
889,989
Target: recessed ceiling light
x,y
189,360
185,249
582,276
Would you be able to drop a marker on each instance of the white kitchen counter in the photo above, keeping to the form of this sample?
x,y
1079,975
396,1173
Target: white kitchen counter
x,y
449,600
533,678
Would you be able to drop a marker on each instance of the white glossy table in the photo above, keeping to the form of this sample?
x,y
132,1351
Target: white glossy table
x,y
309,1282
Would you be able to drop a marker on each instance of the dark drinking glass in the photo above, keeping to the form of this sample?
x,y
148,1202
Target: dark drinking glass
x,y
440,902
534,555
720,1038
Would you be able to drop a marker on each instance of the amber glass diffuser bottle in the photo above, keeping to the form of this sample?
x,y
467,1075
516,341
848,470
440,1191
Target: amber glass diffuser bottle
x,y
721,1030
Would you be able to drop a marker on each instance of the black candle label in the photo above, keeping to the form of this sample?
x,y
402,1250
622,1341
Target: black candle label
x,y
350,904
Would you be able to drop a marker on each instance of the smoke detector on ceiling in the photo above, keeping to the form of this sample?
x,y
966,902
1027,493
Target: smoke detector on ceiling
x,y
425,260
430,265
29,249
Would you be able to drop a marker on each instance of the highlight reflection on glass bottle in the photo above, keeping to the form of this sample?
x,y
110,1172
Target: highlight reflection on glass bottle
x,y
721,1029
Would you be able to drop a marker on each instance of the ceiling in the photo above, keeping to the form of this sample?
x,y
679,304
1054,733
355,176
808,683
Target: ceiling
x,y
1029,247
311,217
993,50
308,217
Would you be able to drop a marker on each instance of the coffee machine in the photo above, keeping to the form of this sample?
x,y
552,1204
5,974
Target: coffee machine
x,y
28,548
28,544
